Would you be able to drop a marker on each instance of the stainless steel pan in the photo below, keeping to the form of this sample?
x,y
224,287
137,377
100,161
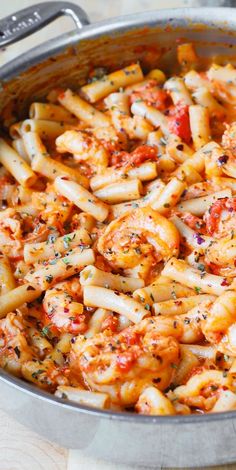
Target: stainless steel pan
x,y
179,441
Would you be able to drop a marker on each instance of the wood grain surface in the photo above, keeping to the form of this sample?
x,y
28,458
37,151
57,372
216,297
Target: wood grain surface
x,y
21,449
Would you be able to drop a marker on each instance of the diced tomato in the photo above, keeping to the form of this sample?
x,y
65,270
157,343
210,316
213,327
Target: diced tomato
x,y
130,338
126,360
111,323
135,158
151,94
179,122
214,268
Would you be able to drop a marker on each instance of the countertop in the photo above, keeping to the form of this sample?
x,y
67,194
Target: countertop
x,y
21,449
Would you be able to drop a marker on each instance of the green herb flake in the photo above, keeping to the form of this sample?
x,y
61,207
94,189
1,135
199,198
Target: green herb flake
x,y
197,289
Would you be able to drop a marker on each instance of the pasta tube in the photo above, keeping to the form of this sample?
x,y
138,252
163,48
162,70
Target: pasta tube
x,y
83,110
151,114
199,125
50,112
178,91
145,172
17,297
179,270
199,205
120,191
45,129
15,164
46,166
83,397
34,252
7,281
120,303
60,269
112,82
82,198
92,276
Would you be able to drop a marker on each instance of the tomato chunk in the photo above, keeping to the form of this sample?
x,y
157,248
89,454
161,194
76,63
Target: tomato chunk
x,y
151,94
135,158
179,122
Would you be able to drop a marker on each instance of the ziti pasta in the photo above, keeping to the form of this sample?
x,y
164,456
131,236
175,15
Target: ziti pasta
x,y
118,241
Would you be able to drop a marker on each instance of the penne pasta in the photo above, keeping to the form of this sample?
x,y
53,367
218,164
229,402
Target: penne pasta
x,y
45,129
181,305
15,164
169,196
109,83
7,281
121,191
200,205
83,397
59,269
50,112
178,270
82,110
145,172
18,296
82,198
178,91
96,320
199,125
19,146
151,114
51,248
92,276
95,296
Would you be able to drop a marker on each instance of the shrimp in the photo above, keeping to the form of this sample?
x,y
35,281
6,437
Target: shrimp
x,y
125,363
14,349
220,256
84,148
62,310
53,209
220,222
11,233
139,237
219,323
221,217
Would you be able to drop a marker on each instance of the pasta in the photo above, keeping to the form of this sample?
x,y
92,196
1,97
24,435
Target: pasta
x,y
118,241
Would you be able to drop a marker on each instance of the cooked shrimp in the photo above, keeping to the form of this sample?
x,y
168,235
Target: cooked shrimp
x,y
144,354
220,256
14,349
62,309
11,233
219,323
140,237
84,147
220,222
53,208
221,217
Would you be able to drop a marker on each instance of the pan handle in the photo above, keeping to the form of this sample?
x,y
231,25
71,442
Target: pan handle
x,y
29,20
